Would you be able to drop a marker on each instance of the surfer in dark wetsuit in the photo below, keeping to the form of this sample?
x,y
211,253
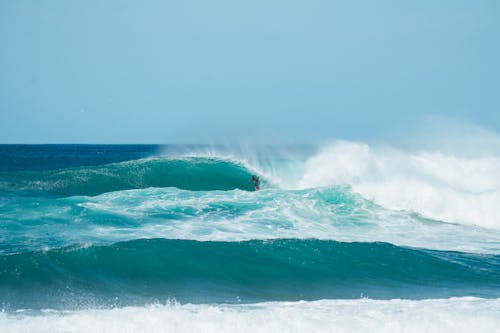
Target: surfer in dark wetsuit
x,y
256,182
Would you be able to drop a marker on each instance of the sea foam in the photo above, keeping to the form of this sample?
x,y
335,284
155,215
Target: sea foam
x,y
436,185
441,315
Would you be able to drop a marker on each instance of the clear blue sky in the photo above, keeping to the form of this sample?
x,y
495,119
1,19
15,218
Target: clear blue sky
x,y
121,71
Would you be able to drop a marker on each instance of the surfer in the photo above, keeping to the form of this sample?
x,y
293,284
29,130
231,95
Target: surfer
x,y
256,182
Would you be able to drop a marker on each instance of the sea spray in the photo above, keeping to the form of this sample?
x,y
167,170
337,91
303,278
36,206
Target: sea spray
x,y
433,184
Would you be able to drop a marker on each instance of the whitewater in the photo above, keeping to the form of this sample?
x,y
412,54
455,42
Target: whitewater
x,y
345,236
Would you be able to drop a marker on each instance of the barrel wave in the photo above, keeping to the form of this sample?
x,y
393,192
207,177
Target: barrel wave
x,y
284,269
190,173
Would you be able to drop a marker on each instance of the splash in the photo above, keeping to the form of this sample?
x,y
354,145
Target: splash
x,y
433,184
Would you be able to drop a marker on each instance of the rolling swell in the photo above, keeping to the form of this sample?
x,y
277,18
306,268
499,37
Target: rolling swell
x,y
142,271
187,173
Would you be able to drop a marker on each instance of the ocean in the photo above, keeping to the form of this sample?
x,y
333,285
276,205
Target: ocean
x,y
342,237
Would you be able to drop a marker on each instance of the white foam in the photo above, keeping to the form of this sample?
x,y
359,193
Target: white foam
x,y
436,185
443,315
274,213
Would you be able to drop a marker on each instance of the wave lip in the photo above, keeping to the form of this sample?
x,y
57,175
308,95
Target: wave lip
x,y
142,271
189,173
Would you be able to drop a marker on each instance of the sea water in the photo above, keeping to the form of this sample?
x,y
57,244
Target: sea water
x,y
342,237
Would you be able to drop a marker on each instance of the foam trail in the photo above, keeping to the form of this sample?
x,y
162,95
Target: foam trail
x,y
435,185
455,315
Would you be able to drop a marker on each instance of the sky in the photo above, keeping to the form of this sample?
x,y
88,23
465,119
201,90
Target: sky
x,y
123,71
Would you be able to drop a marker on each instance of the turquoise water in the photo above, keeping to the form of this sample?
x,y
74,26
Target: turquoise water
x,y
84,227
153,270
194,174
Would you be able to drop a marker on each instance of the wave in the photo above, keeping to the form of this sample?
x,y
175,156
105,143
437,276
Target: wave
x,y
142,271
443,186
190,173
439,185
457,315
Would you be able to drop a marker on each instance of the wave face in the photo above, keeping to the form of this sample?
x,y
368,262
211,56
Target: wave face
x,y
193,173
251,271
